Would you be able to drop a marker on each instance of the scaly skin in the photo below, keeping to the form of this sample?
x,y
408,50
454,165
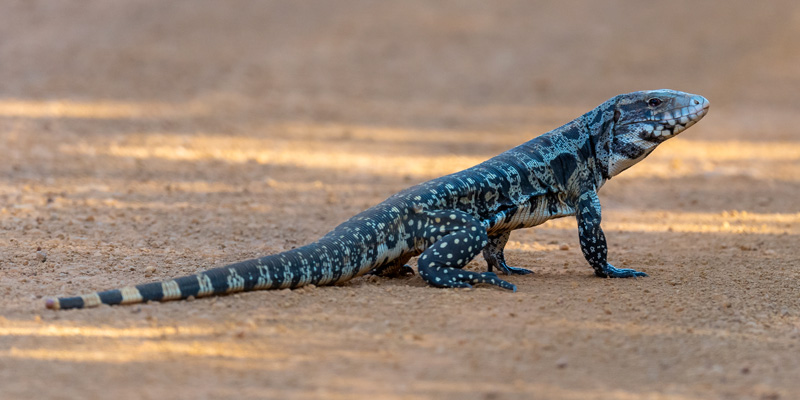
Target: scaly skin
x,y
450,220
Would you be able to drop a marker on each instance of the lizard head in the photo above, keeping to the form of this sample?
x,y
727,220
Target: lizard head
x,y
643,120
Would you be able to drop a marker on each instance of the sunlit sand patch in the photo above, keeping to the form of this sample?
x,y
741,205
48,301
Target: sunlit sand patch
x,y
198,349
121,352
107,109
322,390
528,389
295,155
535,246
675,159
734,150
728,222
21,328
111,186
349,388
682,158
142,344
654,329
378,134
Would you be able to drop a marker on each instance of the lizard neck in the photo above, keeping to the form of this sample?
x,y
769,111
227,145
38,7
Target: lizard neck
x,y
599,125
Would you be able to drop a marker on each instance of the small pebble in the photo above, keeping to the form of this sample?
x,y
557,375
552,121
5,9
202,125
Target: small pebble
x,y
564,247
745,370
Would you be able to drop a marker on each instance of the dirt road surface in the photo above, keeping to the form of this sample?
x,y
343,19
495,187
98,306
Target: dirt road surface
x,y
142,140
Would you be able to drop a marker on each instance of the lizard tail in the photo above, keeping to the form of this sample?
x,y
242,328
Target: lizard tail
x,y
319,263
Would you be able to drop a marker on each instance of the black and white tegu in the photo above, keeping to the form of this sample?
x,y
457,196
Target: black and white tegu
x,y
449,220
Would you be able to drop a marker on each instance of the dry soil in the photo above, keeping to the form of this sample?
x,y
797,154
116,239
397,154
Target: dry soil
x,y
142,140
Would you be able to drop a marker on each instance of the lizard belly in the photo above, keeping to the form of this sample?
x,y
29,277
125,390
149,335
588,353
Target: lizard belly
x,y
533,213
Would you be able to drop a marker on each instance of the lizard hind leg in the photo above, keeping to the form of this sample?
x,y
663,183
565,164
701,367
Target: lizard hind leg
x,y
456,239
493,254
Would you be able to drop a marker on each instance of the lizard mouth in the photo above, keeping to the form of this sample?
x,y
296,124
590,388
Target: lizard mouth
x,y
670,123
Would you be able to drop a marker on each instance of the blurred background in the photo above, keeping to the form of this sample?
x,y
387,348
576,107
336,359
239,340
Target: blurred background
x,y
144,139
375,79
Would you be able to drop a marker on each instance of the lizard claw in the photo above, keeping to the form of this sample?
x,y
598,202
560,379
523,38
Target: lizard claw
x,y
507,269
611,271
492,279
456,278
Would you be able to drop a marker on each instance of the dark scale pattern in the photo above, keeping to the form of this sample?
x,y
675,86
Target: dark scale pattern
x,y
495,258
450,220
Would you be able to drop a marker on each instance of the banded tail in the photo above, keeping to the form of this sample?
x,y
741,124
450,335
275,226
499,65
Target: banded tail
x,y
320,263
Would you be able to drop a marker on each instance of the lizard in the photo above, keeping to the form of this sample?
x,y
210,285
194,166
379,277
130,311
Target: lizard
x,y
448,221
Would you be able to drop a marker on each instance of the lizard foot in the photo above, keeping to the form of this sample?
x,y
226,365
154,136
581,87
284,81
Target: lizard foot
x,y
509,270
447,277
495,258
612,272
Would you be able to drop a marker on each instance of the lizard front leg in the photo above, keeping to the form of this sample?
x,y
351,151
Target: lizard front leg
x,y
493,254
593,241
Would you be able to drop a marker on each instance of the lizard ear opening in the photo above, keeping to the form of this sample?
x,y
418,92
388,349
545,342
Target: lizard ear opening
x,y
617,114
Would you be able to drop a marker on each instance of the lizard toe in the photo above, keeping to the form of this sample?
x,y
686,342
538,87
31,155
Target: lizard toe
x,y
612,272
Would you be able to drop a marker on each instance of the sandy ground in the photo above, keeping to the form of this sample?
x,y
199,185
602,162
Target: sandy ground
x,y
142,140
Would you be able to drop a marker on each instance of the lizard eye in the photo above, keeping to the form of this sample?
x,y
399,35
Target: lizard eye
x,y
654,102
